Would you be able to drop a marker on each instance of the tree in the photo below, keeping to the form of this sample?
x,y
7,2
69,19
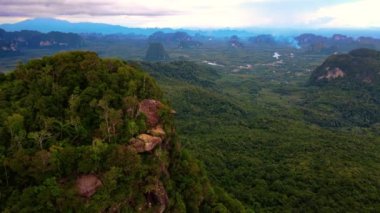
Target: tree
x,y
15,125
112,118
40,137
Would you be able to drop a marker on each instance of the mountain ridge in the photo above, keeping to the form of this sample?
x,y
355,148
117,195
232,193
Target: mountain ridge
x,y
359,66
52,24
100,138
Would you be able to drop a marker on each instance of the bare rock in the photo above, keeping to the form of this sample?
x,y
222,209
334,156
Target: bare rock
x,y
150,141
157,197
333,74
151,109
87,185
138,145
145,142
157,131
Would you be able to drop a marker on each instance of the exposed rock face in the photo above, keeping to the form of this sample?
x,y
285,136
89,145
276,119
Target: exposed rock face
x,y
145,143
151,109
87,185
156,134
157,131
332,74
360,66
158,197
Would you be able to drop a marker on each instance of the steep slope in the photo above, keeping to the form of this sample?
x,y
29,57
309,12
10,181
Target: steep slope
x,y
188,72
347,91
84,134
357,67
156,52
255,141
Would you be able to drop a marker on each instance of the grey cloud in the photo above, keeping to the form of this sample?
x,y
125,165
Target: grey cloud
x,y
50,2
53,8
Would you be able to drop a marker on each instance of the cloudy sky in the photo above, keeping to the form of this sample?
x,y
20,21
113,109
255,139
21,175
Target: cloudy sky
x,y
201,13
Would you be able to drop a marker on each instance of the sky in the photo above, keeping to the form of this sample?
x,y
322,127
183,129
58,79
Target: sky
x,y
201,13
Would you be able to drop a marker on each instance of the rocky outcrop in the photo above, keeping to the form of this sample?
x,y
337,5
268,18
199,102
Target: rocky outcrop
x,y
157,197
145,143
332,74
87,185
151,108
155,134
157,131
361,66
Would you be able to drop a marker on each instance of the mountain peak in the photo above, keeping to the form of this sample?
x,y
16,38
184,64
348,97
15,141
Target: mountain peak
x,y
358,66
45,20
48,24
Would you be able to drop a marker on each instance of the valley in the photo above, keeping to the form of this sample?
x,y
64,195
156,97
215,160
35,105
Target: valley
x,y
260,129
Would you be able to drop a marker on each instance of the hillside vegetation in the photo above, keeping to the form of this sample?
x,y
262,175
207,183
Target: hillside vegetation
x,y
83,134
277,147
347,90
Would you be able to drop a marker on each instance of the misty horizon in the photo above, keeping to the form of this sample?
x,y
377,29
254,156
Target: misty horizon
x,y
47,24
240,14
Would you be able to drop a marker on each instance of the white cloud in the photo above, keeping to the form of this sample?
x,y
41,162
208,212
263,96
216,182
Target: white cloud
x,y
196,13
200,13
357,14
142,13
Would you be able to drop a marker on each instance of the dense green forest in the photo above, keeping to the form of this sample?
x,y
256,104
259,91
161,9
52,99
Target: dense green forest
x,y
348,90
292,134
84,134
279,147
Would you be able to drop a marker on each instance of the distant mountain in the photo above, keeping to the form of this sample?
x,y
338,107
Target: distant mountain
x,y
263,39
13,43
360,66
313,43
345,90
156,52
235,42
182,39
50,24
169,37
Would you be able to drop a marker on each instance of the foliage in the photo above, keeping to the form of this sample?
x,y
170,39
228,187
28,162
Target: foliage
x,y
265,143
352,99
73,114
